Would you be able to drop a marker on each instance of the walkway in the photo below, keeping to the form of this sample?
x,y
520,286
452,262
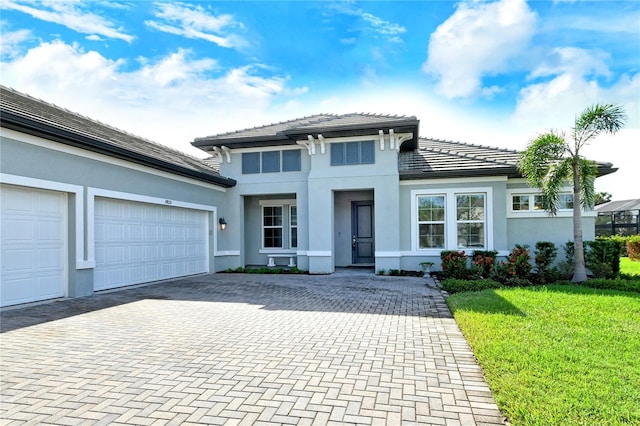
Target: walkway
x,y
244,349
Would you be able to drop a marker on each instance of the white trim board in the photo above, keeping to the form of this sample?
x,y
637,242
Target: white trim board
x,y
82,262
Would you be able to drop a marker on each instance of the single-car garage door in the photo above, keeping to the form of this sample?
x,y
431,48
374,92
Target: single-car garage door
x,y
33,235
138,242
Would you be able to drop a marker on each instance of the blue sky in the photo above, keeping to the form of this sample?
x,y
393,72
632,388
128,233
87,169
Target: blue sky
x,y
490,72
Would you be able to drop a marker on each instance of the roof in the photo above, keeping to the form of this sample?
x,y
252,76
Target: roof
x,y
436,158
26,114
329,125
618,206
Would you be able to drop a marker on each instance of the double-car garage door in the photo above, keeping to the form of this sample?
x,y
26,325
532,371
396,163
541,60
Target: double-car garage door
x,y
135,242
139,242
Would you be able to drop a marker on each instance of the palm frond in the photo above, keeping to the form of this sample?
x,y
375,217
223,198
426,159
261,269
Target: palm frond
x,y
554,181
597,119
541,153
588,174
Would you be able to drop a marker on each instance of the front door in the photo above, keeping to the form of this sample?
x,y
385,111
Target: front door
x,y
362,232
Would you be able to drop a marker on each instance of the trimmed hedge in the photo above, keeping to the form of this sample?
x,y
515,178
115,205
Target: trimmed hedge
x,y
453,285
613,284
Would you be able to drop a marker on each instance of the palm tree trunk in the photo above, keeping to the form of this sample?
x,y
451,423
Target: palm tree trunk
x,y
579,271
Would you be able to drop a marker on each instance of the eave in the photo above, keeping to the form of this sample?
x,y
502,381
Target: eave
x,y
26,125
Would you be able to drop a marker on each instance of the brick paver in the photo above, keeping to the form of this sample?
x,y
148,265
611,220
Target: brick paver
x,y
244,349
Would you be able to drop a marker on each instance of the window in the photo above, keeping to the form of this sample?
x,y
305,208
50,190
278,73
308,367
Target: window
x,y
452,219
431,214
272,226
250,162
271,161
522,202
350,153
293,226
470,217
291,161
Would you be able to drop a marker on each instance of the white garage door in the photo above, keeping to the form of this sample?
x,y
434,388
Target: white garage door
x,y
139,242
33,239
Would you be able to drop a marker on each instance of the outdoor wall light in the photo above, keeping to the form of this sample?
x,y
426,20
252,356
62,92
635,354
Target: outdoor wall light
x,y
223,223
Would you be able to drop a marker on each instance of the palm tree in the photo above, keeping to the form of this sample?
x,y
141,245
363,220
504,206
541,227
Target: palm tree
x,y
550,161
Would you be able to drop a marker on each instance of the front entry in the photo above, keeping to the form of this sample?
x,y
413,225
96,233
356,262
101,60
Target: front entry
x,y
362,232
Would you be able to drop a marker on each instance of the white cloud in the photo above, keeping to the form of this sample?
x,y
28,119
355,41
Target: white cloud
x,y
479,39
10,42
172,100
196,23
570,84
71,16
94,37
390,30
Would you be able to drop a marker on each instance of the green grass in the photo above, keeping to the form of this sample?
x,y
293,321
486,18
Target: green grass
x,y
557,354
628,266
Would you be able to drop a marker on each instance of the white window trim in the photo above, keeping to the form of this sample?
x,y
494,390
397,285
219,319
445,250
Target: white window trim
x,y
427,222
291,226
458,221
451,237
262,227
531,213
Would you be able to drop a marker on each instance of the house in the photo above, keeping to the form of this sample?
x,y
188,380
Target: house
x,y
87,207
620,217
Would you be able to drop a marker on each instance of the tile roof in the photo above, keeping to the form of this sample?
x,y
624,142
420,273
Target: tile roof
x,y
280,133
23,111
438,158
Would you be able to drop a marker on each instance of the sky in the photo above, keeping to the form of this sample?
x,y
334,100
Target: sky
x,y
495,73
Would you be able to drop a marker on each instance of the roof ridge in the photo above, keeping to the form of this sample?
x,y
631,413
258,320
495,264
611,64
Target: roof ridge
x,y
261,127
93,120
515,151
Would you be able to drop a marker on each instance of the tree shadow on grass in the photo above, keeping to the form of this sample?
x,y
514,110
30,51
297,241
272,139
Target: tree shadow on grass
x,y
486,302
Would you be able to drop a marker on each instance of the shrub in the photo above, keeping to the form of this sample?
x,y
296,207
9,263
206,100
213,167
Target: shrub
x,y
633,247
453,285
483,262
614,284
545,255
516,270
603,251
394,272
454,264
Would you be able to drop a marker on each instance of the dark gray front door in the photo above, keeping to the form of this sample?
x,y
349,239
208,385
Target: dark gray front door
x,y
362,232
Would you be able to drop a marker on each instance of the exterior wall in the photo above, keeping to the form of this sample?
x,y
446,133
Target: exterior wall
x,y
327,217
244,229
31,161
496,236
531,227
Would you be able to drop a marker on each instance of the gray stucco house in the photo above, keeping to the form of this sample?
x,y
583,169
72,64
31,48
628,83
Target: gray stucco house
x,y
87,207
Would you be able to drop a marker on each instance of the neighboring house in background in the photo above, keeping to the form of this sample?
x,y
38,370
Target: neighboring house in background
x,y
618,218
86,207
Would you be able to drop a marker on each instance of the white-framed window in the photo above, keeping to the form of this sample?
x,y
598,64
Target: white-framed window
x,y
452,219
279,225
431,221
293,226
272,226
523,203
470,220
352,153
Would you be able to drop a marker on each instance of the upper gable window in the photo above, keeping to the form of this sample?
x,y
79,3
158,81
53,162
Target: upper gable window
x,y
271,161
350,153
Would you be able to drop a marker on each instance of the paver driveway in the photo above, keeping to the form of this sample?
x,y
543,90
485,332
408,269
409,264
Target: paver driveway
x,y
247,349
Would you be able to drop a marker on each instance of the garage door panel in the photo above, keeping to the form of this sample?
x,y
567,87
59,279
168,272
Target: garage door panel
x,y
155,242
33,245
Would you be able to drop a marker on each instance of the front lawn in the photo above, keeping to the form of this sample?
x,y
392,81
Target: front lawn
x,y
630,267
557,354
